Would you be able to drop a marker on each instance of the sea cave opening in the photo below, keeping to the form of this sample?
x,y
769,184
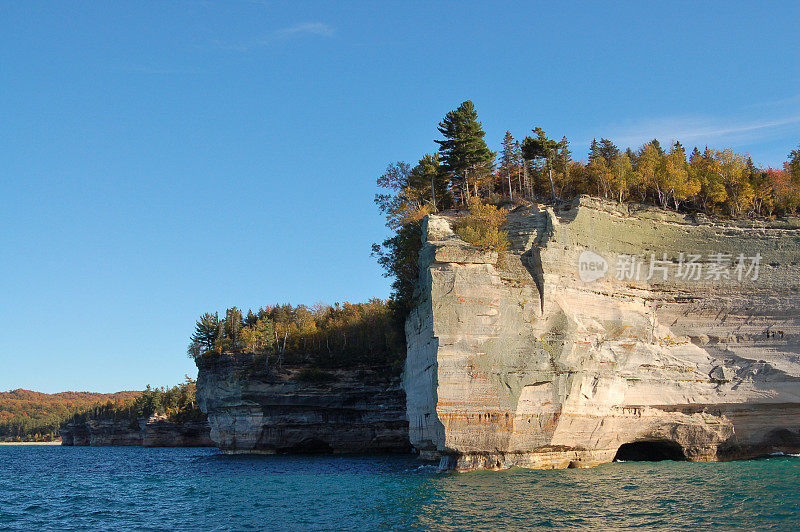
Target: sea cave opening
x,y
311,446
649,451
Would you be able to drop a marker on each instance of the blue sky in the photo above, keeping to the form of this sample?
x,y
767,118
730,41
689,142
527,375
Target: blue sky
x,y
162,159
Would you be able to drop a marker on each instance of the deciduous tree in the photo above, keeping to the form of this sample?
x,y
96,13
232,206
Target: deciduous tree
x,y
731,168
623,175
703,167
680,183
651,169
543,148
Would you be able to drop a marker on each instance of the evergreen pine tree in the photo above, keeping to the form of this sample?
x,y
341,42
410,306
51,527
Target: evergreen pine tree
x,y
206,331
657,146
509,160
233,326
463,152
608,151
594,151
563,159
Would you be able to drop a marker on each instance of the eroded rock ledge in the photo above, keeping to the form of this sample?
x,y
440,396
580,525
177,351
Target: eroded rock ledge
x,y
156,431
254,410
528,365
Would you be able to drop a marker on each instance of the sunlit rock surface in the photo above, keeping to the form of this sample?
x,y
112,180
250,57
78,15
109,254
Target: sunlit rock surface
x,y
529,364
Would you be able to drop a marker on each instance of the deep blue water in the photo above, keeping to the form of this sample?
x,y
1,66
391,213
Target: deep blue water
x,y
200,489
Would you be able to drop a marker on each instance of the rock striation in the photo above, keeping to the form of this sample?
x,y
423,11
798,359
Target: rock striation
x,y
591,339
156,431
254,410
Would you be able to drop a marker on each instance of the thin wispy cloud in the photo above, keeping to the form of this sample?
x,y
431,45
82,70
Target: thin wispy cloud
x,y
144,69
707,130
776,103
765,124
305,29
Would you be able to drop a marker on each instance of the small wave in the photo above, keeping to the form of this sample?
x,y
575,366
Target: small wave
x,y
779,453
424,467
795,455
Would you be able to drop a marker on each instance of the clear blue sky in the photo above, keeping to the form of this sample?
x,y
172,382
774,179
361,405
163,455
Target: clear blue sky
x,y
162,159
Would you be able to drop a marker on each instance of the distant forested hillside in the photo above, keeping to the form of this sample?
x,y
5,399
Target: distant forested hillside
x,y
33,416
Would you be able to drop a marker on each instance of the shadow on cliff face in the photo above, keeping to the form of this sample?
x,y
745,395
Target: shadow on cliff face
x,y
567,211
563,212
649,451
776,442
532,261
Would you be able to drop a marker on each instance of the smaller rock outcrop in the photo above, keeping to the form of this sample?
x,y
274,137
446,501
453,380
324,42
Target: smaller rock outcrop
x,y
155,431
300,410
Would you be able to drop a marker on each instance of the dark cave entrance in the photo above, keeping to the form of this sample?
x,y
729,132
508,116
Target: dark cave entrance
x,y
650,451
311,446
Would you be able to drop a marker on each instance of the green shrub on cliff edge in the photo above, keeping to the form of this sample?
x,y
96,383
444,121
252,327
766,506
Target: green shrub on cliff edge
x,y
482,227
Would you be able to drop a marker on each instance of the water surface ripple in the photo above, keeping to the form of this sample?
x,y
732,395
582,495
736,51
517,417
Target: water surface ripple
x,y
102,488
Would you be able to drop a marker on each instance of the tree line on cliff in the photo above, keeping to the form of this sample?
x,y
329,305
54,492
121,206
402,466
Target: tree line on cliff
x,y
177,403
463,173
321,335
539,168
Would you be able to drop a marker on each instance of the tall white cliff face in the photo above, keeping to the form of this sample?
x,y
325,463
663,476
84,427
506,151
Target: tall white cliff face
x,y
527,364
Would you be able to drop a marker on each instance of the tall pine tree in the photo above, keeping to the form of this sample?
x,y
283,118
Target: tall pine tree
x,y
562,162
510,159
463,153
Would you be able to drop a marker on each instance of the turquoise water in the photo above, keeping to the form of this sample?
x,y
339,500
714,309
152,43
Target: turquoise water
x,y
199,489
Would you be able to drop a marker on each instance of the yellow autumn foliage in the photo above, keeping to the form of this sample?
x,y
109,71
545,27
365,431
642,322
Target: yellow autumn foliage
x,y
482,227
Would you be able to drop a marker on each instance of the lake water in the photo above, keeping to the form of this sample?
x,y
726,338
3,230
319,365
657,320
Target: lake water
x,y
200,489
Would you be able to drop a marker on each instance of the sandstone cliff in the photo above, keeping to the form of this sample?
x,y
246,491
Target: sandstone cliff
x,y
254,410
155,431
537,364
